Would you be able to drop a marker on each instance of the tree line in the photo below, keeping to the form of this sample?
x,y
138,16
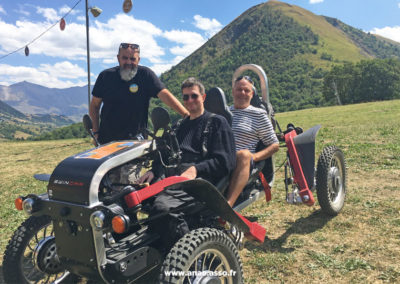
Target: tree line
x,y
348,83
365,81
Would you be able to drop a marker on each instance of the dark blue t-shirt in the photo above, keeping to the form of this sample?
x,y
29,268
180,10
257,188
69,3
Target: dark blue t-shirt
x,y
125,104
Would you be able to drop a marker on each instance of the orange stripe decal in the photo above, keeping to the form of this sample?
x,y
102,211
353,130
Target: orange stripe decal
x,y
104,151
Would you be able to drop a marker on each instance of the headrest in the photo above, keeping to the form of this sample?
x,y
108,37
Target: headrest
x,y
255,100
215,102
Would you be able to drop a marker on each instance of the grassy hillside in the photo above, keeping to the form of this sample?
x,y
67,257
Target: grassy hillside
x,y
16,125
331,39
360,245
29,126
295,47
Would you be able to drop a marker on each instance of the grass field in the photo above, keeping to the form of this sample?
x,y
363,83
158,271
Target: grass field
x,y
360,245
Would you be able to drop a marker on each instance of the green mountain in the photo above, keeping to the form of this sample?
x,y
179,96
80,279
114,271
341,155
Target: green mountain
x,y
16,125
295,47
7,111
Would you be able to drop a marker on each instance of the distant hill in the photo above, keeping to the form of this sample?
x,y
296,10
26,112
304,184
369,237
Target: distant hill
x,y
295,47
35,99
8,111
16,125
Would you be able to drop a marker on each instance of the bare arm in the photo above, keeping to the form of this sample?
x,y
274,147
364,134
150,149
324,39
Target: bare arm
x,y
266,153
94,110
169,99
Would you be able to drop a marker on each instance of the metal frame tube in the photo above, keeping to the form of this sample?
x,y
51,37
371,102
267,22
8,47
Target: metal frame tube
x,y
87,51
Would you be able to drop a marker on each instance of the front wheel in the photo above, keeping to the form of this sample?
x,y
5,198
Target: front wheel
x,y
203,255
31,256
331,180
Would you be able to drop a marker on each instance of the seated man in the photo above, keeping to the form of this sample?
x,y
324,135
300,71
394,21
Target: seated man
x,y
249,125
217,162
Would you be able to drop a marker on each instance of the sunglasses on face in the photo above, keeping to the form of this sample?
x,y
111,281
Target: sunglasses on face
x,y
127,45
187,96
247,78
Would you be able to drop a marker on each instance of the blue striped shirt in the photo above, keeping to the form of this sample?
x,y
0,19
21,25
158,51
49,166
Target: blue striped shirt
x,y
251,125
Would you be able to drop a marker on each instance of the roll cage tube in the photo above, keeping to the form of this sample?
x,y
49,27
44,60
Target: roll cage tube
x,y
261,76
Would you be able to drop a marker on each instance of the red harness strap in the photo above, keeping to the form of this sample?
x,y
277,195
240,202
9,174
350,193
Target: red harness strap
x,y
267,188
136,197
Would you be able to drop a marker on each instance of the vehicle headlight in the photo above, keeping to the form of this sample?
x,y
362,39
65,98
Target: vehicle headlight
x,y
97,220
27,205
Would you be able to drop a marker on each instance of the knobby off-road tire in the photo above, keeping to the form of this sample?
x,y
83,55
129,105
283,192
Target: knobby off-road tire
x,y
331,180
203,250
20,264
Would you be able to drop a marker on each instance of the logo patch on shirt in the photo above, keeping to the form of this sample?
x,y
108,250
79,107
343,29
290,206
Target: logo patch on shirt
x,y
133,88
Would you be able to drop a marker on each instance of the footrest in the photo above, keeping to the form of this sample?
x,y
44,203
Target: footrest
x,y
256,231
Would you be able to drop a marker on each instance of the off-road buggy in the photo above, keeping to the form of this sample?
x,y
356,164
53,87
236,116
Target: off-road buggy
x,y
87,226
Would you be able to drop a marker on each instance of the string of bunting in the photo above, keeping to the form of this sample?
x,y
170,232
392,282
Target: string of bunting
x,y
126,7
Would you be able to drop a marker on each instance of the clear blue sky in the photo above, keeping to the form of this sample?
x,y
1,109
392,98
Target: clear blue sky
x,y
167,30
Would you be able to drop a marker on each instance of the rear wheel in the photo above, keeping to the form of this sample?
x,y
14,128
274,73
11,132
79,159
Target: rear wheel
x,y
204,255
31,256
331,180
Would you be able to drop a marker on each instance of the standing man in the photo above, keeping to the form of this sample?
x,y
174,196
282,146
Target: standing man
x,y
125,92
249,126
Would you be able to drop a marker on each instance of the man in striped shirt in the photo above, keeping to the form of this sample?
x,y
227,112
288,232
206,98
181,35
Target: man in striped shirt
x,y
249,125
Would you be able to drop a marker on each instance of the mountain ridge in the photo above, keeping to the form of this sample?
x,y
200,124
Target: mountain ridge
x,y
295,47
15,125
30,98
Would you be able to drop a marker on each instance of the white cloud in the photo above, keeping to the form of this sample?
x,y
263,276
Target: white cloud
x,y
2,10
63,69
50,14
316,1
189,41
398,4
81,18
210,26
71,43
105,37
65,9
392,33
52,76
22,10
163,67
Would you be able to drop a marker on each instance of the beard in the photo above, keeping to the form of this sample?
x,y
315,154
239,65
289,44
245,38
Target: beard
x,y
128,74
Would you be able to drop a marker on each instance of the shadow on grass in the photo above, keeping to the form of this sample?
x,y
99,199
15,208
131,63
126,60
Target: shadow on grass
x,y
307,225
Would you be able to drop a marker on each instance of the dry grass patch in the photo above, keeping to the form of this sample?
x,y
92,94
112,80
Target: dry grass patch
x,y
360,245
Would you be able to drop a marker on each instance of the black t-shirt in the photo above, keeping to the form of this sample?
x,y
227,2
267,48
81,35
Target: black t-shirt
x,y
125,104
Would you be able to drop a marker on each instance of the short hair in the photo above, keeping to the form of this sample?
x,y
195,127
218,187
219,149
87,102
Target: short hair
x,y
192,81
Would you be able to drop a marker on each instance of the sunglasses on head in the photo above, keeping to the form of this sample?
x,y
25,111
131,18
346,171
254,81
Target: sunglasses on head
x,y
125,45
193,96
247,78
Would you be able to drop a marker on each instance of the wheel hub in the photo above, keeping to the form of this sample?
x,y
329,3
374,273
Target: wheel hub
x,y
207,279
335,180
45,256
